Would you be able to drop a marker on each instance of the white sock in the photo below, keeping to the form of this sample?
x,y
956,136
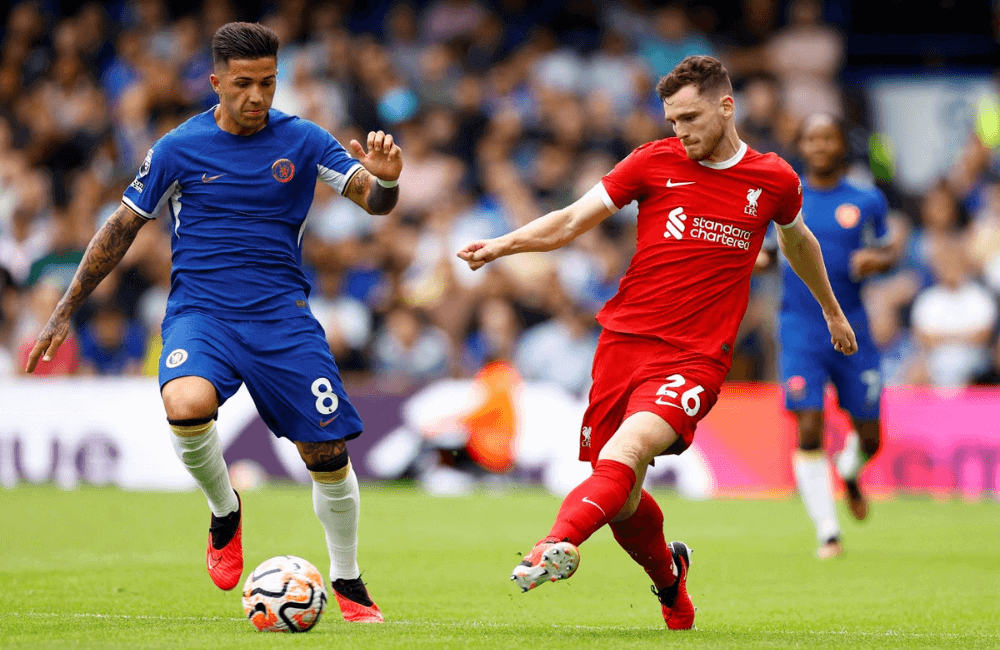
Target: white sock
x,y
849,460
812,474
338,507
201,454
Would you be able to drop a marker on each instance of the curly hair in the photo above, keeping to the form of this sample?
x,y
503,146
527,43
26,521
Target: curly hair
x,y
704,72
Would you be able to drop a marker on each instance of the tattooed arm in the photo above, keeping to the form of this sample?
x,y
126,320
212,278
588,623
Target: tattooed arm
x,y
383,160
103,254
374,198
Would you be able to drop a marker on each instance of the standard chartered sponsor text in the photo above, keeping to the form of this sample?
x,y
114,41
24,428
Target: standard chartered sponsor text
x,y
723,233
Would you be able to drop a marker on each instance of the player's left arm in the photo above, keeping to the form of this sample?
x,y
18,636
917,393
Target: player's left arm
x,y
375,187
804,255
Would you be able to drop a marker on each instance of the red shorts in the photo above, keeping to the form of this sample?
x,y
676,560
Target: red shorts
x,y
634,373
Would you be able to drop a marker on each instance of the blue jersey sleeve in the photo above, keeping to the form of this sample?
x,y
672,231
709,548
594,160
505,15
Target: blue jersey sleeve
x,y
155,182
336,167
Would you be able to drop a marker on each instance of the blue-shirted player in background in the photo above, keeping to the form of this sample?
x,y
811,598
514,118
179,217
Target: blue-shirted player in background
x,y
850,223
238,181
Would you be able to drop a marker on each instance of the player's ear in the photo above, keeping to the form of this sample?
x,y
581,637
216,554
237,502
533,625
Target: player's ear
x,y
727,106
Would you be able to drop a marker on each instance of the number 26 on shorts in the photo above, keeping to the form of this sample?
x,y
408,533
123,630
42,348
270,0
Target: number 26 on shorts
x,y
690,399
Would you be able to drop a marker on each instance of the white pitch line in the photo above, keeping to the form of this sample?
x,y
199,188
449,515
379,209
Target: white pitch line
x,y
456,624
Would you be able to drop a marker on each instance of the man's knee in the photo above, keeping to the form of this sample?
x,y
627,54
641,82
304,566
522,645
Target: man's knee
x,y
327,461
810,429
189,400
640,438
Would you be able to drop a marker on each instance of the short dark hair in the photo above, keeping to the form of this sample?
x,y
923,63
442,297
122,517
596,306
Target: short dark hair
x,y
244,41
704,72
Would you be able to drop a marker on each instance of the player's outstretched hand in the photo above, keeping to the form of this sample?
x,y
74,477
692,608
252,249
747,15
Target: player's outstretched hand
x,y
384,158
478,253
842,335
52,336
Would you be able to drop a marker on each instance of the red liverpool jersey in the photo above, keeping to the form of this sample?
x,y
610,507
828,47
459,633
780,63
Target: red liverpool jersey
x,y
700,228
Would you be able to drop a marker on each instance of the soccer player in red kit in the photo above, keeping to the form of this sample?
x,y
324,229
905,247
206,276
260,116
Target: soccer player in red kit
x,y
705,201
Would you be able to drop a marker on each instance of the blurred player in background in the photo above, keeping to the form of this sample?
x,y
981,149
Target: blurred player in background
x,y
239,180
705,202
850,224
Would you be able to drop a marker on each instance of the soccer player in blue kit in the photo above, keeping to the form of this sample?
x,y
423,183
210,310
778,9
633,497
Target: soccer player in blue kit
x,y
850,224
238,180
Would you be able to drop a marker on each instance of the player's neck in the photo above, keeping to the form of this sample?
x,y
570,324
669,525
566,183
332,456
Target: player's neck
x,y
728,146
824,181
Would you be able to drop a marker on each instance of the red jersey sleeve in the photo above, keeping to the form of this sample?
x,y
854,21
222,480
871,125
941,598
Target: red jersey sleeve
x,y
626,182
791,197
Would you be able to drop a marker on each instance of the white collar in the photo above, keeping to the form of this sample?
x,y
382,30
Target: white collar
x,y
726,164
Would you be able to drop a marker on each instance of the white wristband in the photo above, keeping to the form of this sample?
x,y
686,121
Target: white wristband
x,y
387,183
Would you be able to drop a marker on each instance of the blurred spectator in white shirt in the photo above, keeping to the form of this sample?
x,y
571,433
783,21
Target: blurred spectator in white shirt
x,y
954,318
613,71
559,350
408,351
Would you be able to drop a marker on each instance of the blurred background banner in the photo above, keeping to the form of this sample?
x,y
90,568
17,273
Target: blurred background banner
x,y
113,431
941,108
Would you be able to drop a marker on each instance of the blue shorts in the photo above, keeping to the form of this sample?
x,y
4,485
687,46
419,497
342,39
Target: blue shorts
x,y
286,365
808,361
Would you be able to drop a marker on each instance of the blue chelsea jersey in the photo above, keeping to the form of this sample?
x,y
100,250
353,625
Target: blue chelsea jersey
x,y
844,219
239,205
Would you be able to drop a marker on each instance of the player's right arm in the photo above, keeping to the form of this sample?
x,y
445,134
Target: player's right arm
x,y
546,233
103,254
805,256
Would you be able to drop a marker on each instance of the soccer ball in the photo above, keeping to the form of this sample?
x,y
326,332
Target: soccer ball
x,y
284,594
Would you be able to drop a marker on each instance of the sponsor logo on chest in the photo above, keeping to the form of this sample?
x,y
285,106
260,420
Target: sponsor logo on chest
x,y
680,226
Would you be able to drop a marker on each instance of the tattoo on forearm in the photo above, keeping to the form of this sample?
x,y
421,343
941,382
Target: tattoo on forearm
x,y
104,252
359,184
381,200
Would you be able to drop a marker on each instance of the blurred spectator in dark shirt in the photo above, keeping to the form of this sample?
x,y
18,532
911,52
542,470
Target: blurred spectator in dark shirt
x,y
111,343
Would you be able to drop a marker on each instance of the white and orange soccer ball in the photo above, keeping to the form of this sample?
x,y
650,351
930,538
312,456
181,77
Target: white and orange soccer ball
x,y
284,594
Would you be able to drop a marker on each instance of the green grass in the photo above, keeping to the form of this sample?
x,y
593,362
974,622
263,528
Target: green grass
x,y
100,568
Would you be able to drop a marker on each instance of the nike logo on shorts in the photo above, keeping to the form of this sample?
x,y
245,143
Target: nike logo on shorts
x,y
586,500
323,424
205,178
671,183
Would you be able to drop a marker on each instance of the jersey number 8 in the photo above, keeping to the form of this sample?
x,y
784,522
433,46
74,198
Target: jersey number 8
x,y
326,400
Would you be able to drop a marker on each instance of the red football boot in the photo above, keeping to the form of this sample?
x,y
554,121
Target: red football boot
x,y
548,561
678,610
355,603
224,556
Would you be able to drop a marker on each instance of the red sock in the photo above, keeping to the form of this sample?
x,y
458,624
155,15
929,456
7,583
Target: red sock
x,y
641,535
594,502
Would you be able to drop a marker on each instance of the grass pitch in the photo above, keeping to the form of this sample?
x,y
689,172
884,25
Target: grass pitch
x,y
101,568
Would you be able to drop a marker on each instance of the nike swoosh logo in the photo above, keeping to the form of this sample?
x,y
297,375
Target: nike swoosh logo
x,y
323,424
205,178
669,404
671,183
586,500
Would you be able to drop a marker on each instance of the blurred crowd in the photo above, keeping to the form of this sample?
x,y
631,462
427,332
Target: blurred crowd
x,y
504,110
